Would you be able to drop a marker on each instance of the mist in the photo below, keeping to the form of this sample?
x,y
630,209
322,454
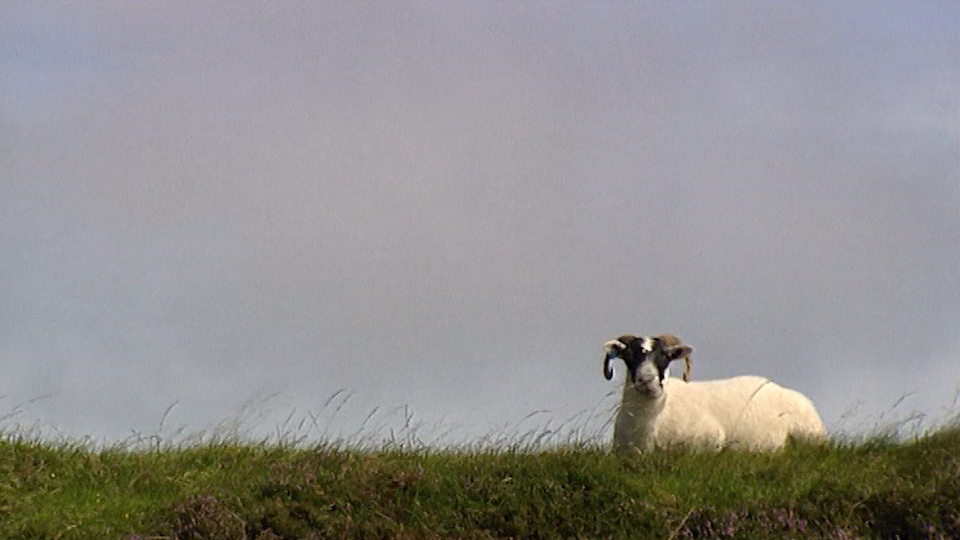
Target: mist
x,y
339,219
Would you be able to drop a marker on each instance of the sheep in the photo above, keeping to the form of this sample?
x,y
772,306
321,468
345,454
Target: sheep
x,y
745,412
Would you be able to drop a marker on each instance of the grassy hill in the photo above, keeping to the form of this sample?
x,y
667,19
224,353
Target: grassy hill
x,y
875,489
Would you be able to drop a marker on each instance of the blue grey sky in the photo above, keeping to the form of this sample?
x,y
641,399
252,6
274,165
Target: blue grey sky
x,y
228,212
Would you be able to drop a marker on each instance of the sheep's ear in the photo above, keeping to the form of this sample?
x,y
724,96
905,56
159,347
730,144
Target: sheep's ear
x,y
679,351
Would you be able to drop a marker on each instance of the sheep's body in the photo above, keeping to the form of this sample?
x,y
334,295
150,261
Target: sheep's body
x,y
746,413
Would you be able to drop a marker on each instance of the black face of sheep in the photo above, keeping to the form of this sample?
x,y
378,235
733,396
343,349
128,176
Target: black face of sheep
x,y
647,359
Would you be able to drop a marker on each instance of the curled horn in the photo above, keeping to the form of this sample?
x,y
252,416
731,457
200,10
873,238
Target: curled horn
x,y
613,348
671,340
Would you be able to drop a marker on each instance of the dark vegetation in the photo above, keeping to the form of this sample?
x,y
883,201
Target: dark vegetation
x,y
217,490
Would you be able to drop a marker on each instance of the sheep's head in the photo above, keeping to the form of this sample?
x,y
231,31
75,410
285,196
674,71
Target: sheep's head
x,y
670,340
647,359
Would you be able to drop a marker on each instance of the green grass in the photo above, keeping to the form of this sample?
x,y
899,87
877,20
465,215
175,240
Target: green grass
x,y
874,489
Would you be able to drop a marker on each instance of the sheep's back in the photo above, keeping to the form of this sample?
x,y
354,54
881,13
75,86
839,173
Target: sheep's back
x,y
755,413
725,399
797,412
703,413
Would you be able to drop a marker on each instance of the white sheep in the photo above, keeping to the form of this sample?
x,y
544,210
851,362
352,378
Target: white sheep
x,y
747,412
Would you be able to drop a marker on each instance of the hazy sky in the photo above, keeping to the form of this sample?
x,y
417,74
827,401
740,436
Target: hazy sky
x,y
238,209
